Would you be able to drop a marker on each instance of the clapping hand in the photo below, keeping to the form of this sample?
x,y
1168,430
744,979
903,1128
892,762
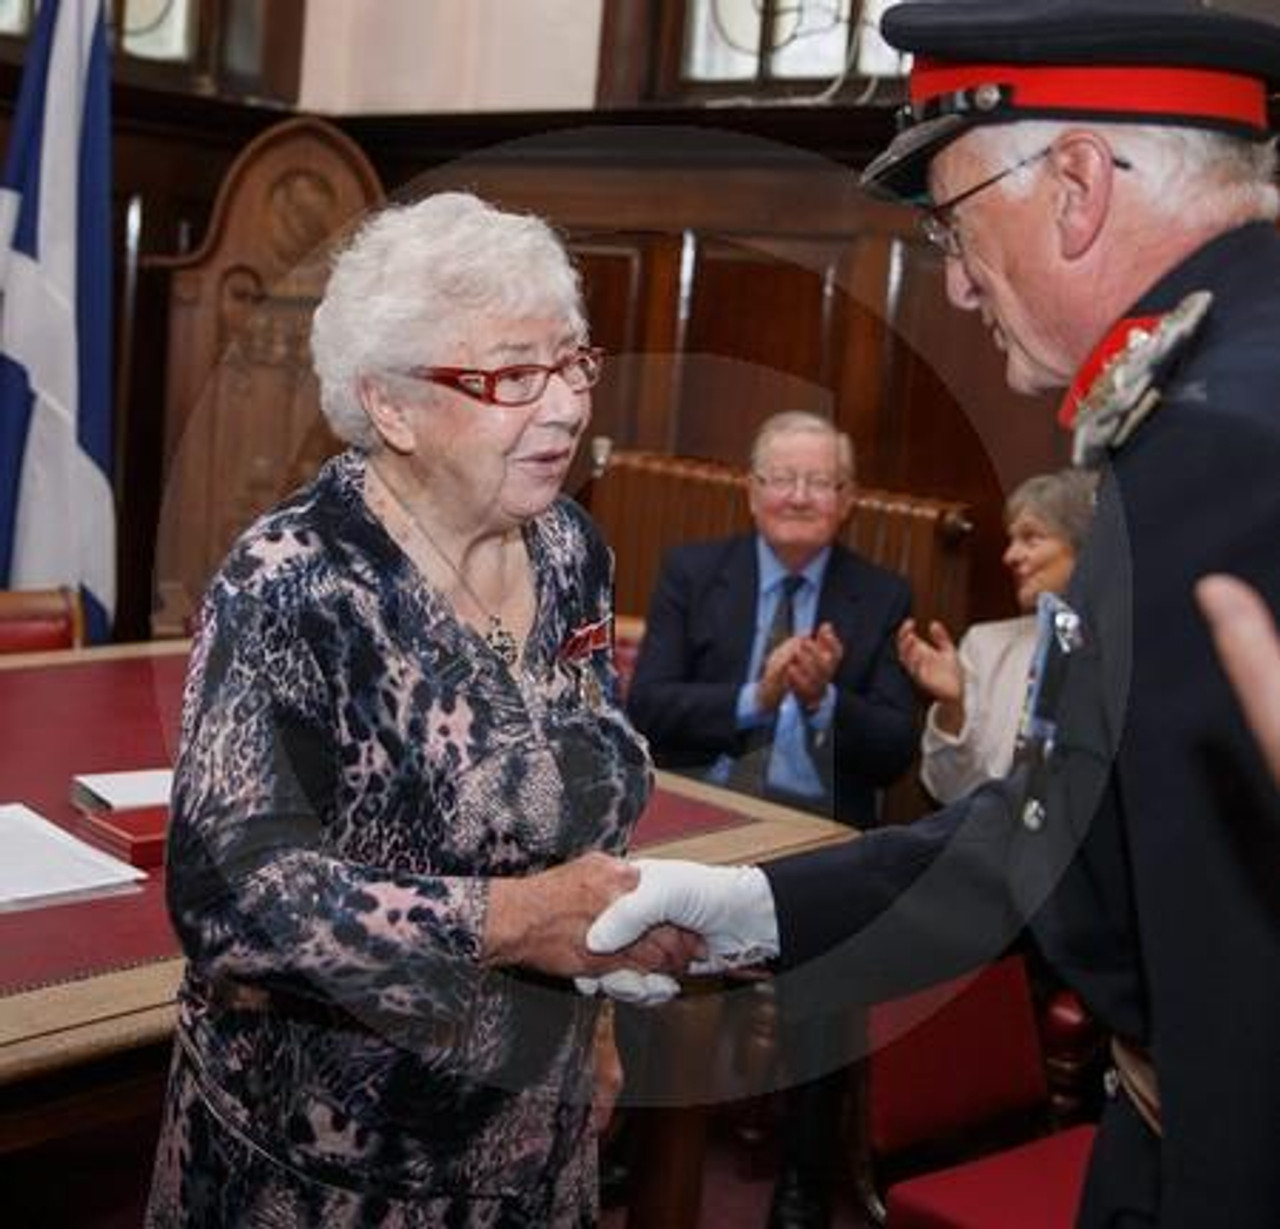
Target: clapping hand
x,y
813,665
933,663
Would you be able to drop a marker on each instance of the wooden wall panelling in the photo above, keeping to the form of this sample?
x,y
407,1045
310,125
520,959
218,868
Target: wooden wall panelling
x,y
612,287
631,286
761,338
662,184
242,420
664,342
866,276
948,422
771,281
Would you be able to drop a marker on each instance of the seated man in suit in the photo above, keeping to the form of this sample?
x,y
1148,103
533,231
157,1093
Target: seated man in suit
x,y
768,665
819,713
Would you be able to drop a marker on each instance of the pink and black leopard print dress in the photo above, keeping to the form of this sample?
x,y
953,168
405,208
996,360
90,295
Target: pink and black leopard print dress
x,y
354,763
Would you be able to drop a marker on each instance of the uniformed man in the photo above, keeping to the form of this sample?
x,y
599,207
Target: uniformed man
x,y
1099,178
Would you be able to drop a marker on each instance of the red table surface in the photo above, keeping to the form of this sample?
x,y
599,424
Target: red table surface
x,y
115,715
56,721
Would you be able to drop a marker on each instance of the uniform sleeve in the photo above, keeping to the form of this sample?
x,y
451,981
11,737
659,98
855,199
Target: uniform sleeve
x,y
902,907
255,893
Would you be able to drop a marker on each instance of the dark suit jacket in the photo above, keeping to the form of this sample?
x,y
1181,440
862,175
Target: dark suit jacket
x,y
1145,851
697,647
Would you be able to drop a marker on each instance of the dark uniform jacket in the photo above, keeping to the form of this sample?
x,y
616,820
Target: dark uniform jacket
x,y
1145,849
697,648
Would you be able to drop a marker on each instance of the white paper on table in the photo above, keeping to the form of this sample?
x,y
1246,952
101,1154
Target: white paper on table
x,y
41,863
119,791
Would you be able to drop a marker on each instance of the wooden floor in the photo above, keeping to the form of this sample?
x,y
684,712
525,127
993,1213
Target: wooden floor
x,y
736,1193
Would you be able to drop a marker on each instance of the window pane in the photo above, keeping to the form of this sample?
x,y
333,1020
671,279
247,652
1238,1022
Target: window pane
x,y
875,57
13,16
810,38
159,29
242,42
722,40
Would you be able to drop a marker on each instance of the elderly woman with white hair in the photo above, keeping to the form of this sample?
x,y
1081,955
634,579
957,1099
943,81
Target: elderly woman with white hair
x,y
401,745
978,689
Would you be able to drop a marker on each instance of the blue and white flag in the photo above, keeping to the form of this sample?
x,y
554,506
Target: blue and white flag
x,y
57,512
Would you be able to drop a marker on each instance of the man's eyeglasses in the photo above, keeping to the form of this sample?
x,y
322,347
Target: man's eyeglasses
x,y
938,222
820,486
520,384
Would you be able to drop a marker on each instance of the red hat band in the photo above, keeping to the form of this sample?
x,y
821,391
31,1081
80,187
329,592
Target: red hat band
x,y
1208,95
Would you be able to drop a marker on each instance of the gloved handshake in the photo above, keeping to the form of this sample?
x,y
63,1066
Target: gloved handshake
x,y
730,907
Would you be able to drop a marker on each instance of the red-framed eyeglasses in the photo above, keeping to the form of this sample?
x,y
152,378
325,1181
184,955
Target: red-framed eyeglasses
x,y
520,384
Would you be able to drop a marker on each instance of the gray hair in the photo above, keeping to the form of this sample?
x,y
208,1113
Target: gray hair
x,y
1193,175
789,421
1062,500
415,278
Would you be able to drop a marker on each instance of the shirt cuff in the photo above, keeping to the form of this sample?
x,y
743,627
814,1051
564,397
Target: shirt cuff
x,y
758,912
749,715
820,718
936,735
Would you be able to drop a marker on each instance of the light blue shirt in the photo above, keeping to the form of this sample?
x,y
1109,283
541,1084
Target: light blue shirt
x,y
790,767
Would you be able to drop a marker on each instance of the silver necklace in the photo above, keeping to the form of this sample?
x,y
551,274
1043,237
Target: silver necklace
x,y
499,637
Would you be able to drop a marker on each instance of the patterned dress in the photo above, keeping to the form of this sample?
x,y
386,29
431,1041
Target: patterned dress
x,y
354,763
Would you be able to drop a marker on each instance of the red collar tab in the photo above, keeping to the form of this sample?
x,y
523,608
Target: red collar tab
x,y
1210,95
1115,343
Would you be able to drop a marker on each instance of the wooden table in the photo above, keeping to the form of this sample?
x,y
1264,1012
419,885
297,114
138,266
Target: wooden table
x,y
86,1046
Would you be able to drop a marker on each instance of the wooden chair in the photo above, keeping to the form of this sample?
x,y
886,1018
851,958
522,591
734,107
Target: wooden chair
x,y
33,620
951,1068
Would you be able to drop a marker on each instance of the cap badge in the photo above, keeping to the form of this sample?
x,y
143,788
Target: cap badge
x,y
987,97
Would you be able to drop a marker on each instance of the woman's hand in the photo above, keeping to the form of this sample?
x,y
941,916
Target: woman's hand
x,y
541,921
607,1073
934,664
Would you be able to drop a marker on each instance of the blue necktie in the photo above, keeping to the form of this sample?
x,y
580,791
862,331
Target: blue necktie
x,y
752,765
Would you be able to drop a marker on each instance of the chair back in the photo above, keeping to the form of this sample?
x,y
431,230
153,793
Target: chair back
x,y
33,620
645,503
954,1058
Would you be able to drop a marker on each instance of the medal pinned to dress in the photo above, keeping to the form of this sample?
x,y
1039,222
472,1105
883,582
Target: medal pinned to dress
x,y
578,653
1119,386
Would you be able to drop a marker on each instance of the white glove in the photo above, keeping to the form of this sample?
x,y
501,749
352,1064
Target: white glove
x,y
731,907
630,986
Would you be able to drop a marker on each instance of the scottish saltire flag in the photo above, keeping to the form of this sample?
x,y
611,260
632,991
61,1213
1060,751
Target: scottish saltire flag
x,y
57,514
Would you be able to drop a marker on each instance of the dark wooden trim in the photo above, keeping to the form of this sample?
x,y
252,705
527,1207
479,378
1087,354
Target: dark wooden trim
x,y
627,43
139,108
673,17
280,71
848,135
206,74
